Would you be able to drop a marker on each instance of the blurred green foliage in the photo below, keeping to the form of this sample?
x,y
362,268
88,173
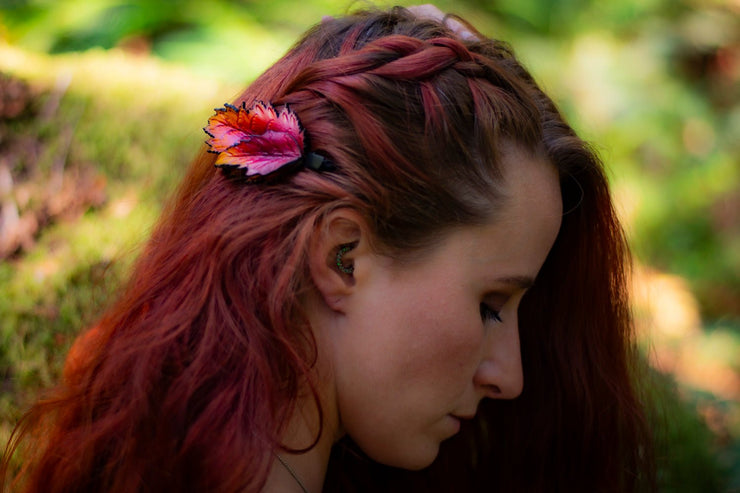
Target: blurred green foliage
x,y
686,449
655,84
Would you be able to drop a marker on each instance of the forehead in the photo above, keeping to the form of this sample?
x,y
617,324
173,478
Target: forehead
x,y
524,228
515,241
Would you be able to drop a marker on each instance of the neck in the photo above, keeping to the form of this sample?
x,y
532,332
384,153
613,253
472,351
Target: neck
x,y
299,473
293,472
307,469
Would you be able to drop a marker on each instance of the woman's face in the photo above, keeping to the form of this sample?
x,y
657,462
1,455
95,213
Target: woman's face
x,y
424,343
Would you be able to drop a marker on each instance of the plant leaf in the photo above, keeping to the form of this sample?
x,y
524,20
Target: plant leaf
x,y
259,140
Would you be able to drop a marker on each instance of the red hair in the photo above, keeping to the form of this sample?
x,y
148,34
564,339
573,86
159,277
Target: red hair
x,y
190,377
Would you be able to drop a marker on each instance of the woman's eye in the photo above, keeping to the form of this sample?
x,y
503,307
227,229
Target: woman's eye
x,y
487,313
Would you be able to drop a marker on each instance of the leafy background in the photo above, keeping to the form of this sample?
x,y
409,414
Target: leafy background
x,y
102,104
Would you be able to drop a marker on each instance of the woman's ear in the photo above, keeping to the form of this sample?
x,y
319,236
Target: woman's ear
x,y
334,248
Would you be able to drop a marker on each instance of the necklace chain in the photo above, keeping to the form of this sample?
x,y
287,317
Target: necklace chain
x,y
292,473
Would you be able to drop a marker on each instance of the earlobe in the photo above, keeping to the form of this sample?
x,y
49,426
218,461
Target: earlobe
x,y
332,255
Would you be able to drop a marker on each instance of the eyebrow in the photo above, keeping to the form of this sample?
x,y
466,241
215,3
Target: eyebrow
x,y
521,282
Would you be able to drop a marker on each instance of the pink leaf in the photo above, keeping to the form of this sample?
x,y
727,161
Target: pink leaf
x,y
258,140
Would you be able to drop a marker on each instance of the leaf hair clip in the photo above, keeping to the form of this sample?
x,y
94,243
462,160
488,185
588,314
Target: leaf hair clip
x,y
260,140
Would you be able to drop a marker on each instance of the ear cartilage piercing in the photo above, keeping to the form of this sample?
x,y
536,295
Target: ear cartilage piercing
x,y
340,265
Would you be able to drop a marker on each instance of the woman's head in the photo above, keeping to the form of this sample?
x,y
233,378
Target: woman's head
x,y
430,138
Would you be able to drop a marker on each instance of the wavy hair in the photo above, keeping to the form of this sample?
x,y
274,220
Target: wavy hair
x,y
188,380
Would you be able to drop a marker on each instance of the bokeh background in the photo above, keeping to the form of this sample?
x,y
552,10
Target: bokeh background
x,y
102,104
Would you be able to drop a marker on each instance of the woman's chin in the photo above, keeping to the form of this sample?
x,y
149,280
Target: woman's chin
x,y
412,460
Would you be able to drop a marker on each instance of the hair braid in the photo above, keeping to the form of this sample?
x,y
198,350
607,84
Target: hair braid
x,y
396,57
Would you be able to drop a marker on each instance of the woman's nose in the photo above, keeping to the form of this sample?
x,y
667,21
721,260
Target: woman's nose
x,y
499,375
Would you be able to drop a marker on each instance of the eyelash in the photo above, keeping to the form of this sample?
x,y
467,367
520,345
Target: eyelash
x,y
487,313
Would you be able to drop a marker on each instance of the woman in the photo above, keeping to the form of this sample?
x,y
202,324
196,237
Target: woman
x,y
399,224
